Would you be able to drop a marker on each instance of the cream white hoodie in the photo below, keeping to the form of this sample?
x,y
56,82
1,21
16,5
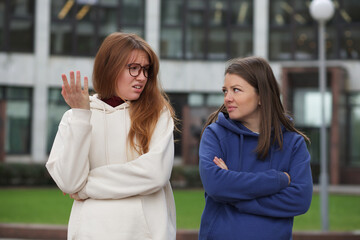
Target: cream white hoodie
x,y
127,196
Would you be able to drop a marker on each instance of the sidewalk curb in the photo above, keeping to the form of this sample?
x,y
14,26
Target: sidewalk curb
x,y
58,232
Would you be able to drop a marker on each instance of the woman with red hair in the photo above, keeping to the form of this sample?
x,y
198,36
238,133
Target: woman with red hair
x,y
114,151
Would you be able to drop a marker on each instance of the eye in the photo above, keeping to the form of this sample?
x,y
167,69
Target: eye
x,y
224,91
134,67
236,90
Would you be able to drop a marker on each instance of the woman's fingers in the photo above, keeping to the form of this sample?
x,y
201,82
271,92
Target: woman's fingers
x,y
65,83
76,197
220,163
86,85
78,81
72,80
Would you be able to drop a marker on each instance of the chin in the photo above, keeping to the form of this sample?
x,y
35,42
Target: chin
x,y
133,97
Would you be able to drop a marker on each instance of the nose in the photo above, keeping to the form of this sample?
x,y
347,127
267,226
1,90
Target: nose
x,y
228,97
141,76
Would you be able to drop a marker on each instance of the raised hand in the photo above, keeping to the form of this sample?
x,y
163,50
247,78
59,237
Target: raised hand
x,y
73,94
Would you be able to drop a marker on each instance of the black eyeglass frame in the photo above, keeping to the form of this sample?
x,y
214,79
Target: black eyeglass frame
x,y
145,69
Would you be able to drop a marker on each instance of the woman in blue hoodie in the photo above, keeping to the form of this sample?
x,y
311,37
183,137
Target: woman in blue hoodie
x,y
254,164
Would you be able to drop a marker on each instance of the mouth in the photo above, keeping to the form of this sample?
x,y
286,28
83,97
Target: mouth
x,y
230,108
138,87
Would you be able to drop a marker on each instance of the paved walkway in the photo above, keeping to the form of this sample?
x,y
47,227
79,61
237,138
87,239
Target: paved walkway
x,y
341,189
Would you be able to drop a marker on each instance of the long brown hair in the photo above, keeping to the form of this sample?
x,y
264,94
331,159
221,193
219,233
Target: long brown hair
x,y
258,73
110,61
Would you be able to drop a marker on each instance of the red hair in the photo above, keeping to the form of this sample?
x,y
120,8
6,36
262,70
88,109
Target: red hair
x,y
110,60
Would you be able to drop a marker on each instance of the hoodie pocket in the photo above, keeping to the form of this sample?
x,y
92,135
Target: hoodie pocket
x,y
113,219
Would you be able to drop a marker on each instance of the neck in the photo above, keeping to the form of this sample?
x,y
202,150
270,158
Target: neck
x,y
254,127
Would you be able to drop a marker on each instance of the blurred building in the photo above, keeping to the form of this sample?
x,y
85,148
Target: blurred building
x,y
41,39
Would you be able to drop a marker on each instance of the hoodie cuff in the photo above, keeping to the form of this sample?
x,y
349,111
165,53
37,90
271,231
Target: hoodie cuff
x,y
82,194
81,114
283,180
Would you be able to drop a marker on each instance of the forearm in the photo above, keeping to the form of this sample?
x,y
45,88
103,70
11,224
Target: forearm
x,y
230,186
68,161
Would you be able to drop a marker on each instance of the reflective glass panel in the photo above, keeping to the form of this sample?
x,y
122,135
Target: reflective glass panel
x,y
132,12
86,41
108,20
22,8
307,107
349,11
217,44
2,13
241,12
170,43
241,43
218,13
56,108
305,43
355,136
18,120
61,38
280,12
21,35
171,12
195,42
280,45
350,43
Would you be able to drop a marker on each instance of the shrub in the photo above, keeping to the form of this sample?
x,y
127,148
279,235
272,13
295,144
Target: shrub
x,y
23,174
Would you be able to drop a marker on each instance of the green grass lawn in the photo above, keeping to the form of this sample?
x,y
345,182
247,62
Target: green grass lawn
x,y
51,207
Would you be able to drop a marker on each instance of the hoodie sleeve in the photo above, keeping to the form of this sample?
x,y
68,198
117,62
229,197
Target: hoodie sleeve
x,y
291,201
230,186
144,175
68,162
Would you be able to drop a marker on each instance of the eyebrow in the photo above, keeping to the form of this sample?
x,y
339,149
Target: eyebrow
x,y
236,85
146,65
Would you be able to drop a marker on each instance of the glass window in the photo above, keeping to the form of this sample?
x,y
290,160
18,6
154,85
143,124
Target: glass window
x,y
307,108
171,43
15,111
132,12
206,29
79,27
56,109
21,36
353,150
293,32
17,25
2,23
241,48
171,12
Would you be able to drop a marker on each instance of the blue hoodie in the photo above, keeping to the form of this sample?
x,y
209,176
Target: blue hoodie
x,y
252,200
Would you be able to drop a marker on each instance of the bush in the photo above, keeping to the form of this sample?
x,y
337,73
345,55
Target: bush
x,y
31,174
22,174
186,177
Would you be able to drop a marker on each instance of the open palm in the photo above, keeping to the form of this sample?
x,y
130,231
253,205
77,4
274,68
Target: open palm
x,y
73,94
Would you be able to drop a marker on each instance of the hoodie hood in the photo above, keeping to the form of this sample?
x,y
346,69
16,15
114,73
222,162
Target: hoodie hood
x,y
98,104
234,126
237,127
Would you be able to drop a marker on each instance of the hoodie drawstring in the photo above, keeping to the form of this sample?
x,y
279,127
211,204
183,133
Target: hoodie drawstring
x,y
106,140
241,150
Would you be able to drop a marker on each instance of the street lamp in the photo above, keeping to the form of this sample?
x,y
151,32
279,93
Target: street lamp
x,y
321,11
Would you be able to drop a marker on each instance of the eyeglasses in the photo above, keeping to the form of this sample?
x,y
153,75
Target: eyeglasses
x,y
135,69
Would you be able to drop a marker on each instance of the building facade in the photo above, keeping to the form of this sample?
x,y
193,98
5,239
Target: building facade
x,y
41,39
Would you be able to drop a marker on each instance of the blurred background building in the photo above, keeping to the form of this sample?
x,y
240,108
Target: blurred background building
x,y
41,39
